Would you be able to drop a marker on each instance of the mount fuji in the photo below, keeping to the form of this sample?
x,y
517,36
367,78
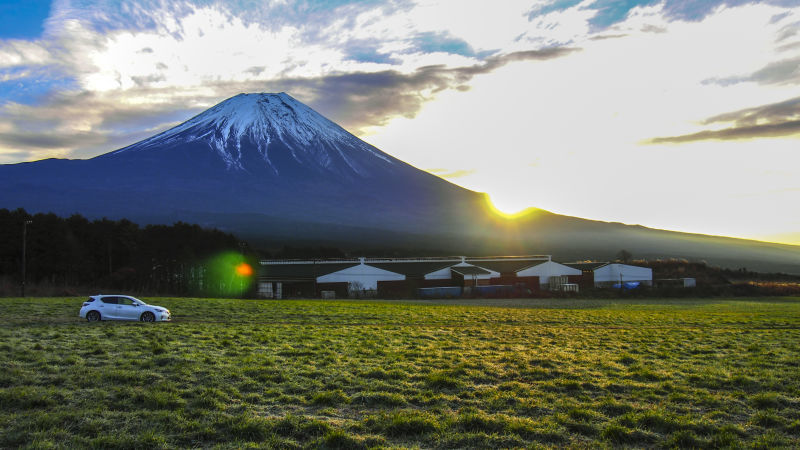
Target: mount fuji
x,y
272,170
266,156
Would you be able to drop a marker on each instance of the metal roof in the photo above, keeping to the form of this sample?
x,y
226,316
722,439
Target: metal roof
x,y
309,269
469,270
586,266
414,269
506,266
300,271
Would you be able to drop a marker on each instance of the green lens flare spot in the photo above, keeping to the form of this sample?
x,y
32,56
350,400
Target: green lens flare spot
x,y
230,274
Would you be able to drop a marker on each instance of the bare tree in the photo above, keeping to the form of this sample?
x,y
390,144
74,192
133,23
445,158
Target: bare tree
x,y
356,289
624,256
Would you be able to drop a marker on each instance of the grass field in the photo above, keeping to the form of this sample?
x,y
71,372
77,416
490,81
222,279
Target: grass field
x,y
345,374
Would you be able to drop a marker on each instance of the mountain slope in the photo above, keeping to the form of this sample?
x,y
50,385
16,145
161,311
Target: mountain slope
x,y
276,134
253,153
272,169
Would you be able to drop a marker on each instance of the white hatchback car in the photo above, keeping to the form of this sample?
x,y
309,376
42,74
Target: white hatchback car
x,y
122,307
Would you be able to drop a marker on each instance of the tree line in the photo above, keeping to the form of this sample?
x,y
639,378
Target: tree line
x,y
75,255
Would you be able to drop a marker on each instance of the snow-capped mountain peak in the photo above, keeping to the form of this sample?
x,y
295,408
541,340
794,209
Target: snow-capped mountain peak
x,y
264,114
266,124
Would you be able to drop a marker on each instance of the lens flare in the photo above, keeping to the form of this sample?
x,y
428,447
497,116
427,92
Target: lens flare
x,y
244,270
228,274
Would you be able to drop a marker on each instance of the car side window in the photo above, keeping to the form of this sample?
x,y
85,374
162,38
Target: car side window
x,y
109,300
125,301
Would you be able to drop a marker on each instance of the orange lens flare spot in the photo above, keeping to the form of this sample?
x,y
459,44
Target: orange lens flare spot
x,y
244,270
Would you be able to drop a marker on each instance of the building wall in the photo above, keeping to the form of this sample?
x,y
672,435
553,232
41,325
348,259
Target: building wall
x,y
612,273
441,274
531,282
364,275
546,270
408,288
485,277
583,280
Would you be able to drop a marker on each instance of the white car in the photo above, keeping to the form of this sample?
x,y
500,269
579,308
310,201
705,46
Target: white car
x,y
121,307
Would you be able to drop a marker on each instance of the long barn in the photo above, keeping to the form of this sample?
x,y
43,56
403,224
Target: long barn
x,y
357,277
606,274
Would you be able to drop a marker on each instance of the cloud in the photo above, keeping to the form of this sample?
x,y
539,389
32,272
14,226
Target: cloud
x,y
17,53
88,123
366,99
24,139
153,63
606,13
748,132
775,112
767,121
786,71
601,37
781,71
650,28
255,70
95,121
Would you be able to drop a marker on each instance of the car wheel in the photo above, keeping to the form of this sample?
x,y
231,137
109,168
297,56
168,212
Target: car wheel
x,y
93,316
148,317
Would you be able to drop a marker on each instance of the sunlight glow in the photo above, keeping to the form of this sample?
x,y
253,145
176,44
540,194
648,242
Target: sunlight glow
x,y
508,210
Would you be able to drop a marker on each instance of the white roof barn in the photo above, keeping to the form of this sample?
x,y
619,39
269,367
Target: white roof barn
x,y
615,273
474,272
363,275
548,269
608,274
310,277
417,268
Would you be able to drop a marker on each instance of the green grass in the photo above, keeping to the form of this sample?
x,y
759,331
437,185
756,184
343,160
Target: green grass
x,y
352,374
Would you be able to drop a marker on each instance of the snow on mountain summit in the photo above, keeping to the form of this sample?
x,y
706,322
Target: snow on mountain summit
x,y
261,121
263,114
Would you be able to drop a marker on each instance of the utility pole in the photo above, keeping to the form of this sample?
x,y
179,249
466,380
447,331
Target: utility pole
x,y
24,248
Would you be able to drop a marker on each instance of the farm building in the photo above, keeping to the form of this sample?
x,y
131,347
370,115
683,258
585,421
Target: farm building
x,y
419,273
303,278
605,274
531,271
296,278
402,276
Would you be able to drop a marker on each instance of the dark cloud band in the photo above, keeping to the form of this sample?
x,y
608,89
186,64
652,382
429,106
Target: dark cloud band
x,y
354,100
735,133
361,100
766,121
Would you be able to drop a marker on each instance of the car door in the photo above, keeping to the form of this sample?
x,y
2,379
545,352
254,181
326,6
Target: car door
x,y
126,309
108,307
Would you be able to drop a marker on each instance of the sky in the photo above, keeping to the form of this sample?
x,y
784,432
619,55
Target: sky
x,y
670,114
